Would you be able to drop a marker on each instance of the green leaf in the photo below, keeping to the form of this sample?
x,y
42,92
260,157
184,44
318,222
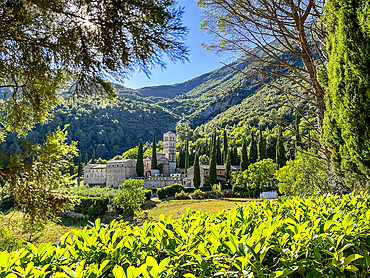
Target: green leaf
x,y
351,258
118,272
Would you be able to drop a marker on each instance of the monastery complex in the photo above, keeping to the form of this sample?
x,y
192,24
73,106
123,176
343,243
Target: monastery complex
x,y
115,172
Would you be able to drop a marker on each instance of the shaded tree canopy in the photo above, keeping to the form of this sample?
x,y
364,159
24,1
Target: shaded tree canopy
x,y
47,46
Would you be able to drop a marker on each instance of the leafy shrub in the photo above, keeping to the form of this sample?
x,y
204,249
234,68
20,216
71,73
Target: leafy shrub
x,y
148,195
182,196
131,198
198,194
302,175
189,189
326,236
9,242
161,193
93,207
154,190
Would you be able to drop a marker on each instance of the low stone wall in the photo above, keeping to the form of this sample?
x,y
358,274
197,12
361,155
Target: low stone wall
x,y
160,182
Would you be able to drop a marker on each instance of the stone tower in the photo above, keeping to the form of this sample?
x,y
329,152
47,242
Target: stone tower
x,y
169,149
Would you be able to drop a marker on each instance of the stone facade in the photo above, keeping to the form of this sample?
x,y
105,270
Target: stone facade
x,y
120,170
204,174
95,173
116,172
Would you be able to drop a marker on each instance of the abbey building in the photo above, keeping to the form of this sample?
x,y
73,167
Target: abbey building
x,y
115,172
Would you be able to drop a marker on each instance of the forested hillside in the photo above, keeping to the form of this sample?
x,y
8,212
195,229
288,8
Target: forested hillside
x,y
221,98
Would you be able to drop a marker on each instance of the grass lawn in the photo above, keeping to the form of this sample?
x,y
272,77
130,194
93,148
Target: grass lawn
x,y
179,207
52,232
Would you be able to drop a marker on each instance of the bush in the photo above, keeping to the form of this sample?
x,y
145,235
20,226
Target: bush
x,y
206,188
93,207
189,189
198,194
154,190
9,242
6,203
148,195
131,198
182,196
161,193
173,189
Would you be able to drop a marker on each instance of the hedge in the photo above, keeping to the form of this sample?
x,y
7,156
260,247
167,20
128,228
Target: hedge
x,y
169,191
93,207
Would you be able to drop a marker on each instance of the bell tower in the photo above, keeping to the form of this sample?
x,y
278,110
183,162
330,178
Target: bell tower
x,y
169,149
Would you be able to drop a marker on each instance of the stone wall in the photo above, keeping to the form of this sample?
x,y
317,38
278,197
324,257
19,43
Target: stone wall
x,y
160,182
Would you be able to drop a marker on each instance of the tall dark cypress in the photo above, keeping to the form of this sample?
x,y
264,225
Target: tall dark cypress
x,y
228,168
218,152
79,170
280,150
154,153
236,156
93,157
213,162
244,159
140,160
226,146
298,138
253,153
196,171
86,159
262,151
182,161
186,155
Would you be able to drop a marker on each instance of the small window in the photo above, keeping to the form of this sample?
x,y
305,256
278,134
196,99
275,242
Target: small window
x,y
87,176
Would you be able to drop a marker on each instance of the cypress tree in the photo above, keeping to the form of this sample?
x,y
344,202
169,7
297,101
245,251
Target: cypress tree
x,y
213,162
236,155
93,157
228,168
140,160
280,150
196,171
298,138
253,153
218,152
154,153
244,158
79,170
86,159
346,123
226,147
186,155
262,151
182,159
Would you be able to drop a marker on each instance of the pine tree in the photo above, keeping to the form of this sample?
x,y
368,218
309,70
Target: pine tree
x,y
346,123
93,157
218,152
196,171
213,162
228,168
186,155
244,158
298,138
86,159
262,151
280,150
226,147
253,153
140,160
154,153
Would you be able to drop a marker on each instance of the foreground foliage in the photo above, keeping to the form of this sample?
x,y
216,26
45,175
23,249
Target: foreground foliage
x,y
325,236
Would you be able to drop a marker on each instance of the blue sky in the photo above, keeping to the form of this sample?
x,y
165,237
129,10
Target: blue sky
x,y
200,61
